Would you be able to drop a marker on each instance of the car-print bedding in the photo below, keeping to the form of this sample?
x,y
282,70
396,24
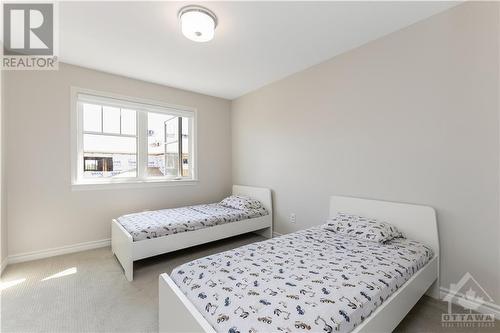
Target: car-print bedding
x,y
159,223
362,227
312,280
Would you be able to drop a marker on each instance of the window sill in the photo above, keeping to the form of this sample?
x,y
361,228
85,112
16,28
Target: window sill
x,y
130,184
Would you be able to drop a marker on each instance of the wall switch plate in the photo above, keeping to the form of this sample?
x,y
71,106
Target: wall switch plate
x,y
292,218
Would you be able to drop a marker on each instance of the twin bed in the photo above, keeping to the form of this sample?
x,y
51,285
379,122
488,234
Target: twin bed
x,y
143,235
314,280
309,281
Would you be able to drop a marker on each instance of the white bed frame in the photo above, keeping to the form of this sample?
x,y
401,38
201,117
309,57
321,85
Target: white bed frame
x,y
178,314
127,251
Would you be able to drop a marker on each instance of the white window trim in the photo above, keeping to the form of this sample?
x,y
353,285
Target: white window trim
x,y
76,127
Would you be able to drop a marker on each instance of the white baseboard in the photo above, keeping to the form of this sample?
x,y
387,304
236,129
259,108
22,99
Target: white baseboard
x,y
276,234
485,307
28,256
3,264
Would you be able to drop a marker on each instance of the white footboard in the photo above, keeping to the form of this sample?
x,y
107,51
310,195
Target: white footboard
x,y
121,245
176,313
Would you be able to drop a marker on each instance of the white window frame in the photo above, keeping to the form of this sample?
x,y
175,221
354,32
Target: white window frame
x,y
142,106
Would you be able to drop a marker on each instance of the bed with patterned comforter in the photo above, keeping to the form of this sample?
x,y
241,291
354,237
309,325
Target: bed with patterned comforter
x,y
312,280
159,223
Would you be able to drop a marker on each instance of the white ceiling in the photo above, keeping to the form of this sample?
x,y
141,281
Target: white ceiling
x,y
256,43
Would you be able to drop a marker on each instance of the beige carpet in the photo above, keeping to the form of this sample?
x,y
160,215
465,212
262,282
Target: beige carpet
x,y
87,292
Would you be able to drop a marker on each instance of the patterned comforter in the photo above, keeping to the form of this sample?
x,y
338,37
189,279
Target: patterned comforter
x,y
312,280
158,223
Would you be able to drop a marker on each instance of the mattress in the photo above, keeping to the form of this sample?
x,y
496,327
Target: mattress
x,y
313,280
159,223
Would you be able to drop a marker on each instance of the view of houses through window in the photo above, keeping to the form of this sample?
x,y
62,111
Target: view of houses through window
x,y
111,139
168,145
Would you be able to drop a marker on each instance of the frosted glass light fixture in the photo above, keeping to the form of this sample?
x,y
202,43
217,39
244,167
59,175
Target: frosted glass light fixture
x,y
198,23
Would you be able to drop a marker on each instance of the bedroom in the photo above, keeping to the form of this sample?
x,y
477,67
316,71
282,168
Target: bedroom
x,y
291,105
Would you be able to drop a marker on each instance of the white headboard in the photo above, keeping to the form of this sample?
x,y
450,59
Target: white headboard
x,y
260,193
416,222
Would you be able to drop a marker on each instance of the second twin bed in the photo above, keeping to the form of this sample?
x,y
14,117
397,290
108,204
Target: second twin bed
x,y
312,280
350,274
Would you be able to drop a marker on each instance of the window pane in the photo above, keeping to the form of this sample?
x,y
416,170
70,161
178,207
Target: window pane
x,y
109,156
128,121
185,147
163,145
111,120
92,117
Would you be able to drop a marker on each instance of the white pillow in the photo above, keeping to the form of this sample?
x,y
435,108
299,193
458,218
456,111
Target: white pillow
x,y
363,228
241,202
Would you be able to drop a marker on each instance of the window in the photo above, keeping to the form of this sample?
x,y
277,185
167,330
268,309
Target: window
x,y
109,141
168,148
124,141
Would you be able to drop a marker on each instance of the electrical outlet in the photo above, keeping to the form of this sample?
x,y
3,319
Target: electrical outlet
x,y
292,218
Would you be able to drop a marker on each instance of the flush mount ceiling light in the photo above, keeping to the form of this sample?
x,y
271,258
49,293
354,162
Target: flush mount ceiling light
x,y
197,23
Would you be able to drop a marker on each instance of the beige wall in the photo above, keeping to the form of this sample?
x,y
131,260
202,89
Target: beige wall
x,y
42,210
411,117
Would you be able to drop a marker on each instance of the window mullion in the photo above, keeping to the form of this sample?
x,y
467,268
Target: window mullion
x,y
102,119
191,147
110,134
79,143
179,128
142,145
